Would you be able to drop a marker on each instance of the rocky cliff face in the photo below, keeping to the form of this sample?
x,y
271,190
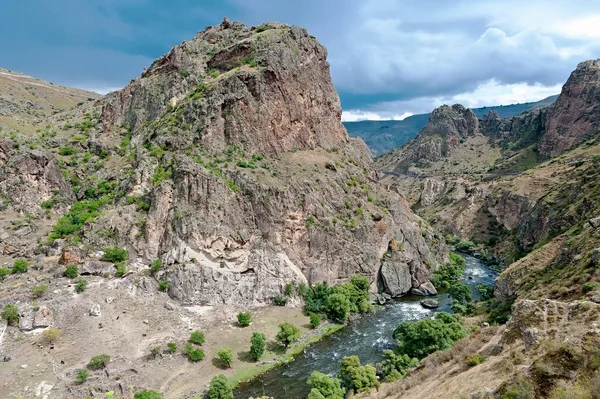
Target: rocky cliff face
x,y
234,169
575,117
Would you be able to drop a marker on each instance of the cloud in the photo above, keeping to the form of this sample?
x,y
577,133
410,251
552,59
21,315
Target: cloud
x,y
358,115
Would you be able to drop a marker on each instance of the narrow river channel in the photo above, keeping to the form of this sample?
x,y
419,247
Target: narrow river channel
x,y
365,337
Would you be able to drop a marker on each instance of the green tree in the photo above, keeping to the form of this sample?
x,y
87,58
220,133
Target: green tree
x,y
147,394
338,307
357,378
395,366
323,386
194,354
460,292
10,313
316,298
420,338
98,362
219,388
288,334
226,356
244,319
257,345
315,320
197,337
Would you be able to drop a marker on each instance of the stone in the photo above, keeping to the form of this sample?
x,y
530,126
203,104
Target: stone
x,y
43,318
169,306
425,289
595,222
26,313
595,258
43,389
396,277
109,300
531,337
430,303
330,166
69,256
95,310
6,358
97,268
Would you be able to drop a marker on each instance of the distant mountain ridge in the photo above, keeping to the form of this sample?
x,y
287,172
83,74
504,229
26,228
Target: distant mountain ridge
x,y
383,136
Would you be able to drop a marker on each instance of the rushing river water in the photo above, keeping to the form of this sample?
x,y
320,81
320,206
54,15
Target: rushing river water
x,y
365,337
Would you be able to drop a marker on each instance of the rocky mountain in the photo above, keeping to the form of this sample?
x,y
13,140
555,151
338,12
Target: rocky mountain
x,y
226,167
384,136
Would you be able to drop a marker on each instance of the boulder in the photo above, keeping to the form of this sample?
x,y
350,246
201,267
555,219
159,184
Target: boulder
x,y
396,277
430,303
43,318
425,289
95,310
595,222
26,313
97,268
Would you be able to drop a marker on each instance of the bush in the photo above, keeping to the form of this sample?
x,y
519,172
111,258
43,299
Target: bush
x,y
98,362
315,320
316,298
460,292
521,389
147,394
10,313
280,300
4,271
420,338
66,151
219,388
50,336
163,285
500,311
115,255
244,319
288,334
302,290
171,347
288,289
357,378
465,245
323,386
156,266
80,213
257,345
20,266
338,307
81,376
38,291
80,285
395,366
486,291
71,271
226,356
197,337
449,272
121,269
473,360
155,352
589,287
194,354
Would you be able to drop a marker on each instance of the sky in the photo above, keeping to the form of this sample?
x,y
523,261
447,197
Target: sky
x,y
389,58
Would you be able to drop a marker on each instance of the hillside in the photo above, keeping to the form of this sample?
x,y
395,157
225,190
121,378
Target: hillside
x,y
383,136
207,186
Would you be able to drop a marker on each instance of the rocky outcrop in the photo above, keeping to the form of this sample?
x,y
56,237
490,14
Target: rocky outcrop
x,y
575,116
30,178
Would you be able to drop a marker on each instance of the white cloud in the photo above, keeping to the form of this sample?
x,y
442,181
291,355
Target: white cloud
x,y
359,115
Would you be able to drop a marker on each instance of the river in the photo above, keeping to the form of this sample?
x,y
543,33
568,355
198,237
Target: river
x,y
365,337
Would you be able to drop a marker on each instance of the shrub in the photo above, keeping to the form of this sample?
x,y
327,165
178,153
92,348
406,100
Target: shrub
x,y
98,362
80,213
71,271
147,394
257,345
20,266
163,285
316,298
338,307
121,269
81,376
302,290
244,319
486,291
521,389
80,285
395,366
289,289
460,292
155,352
288,334
197,337
420,338
194,354
115,255
315,320
280,300
38,291
589,287
449,272
226,356
473,360
500,311
4,271
465,245
357,378
323,386
67,151
50,336
10,313
156,266
171,347
219,388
